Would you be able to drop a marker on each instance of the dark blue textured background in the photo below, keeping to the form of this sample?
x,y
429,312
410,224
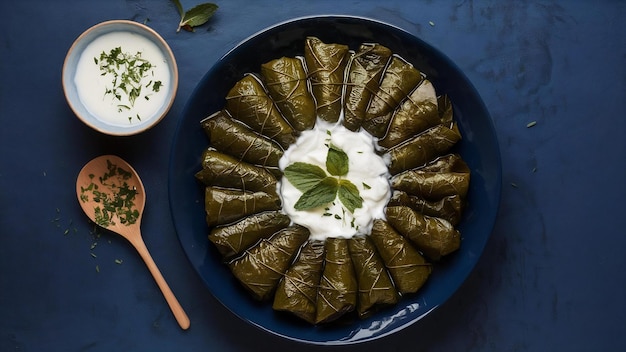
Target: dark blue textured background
x,y
551,277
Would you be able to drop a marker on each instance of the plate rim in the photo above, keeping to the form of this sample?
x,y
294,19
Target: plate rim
x,y
497,186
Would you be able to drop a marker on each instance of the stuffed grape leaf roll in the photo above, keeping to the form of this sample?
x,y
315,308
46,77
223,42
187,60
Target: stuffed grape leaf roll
x,y
338,286
375,286
238,140
423,148
248,102
219,169
297,291
416,114
286,82
233,239
364,74
399,79
326,65
446,176
224,205
408,269
261,267
434,237
448,207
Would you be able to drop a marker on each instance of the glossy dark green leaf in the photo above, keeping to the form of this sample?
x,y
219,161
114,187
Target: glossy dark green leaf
x,y
219,169
286,82
434,237
297,291
261,267
248,102
408,269
224,205
375,285
326,64
232,240
238,140
399,79
364,75
337,293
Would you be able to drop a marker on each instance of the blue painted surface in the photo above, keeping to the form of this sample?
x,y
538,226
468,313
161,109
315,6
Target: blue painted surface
x,y
551,276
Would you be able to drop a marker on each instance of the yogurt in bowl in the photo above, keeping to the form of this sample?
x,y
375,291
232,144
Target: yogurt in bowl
x,y
120,77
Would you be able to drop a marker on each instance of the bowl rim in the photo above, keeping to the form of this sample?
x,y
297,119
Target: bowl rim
x,y
196,256
151,35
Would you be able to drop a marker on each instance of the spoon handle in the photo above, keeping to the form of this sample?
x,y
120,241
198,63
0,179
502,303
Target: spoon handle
x,y
177,309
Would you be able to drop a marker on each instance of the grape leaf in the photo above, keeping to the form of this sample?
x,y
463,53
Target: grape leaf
x,y
336,161
349,195
322,193
304,176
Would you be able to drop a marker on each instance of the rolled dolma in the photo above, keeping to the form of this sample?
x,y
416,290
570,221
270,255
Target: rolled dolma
x,y
407,267
400,79
262,266
364,75
297,291
416,114
446,113
338,286
434,237
446,176
375,286
286,82
219,169
423,148
449,207
224,205
235,238
236,139
248,102
326,66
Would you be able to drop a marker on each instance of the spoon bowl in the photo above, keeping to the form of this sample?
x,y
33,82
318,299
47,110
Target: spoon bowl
x,y
112,195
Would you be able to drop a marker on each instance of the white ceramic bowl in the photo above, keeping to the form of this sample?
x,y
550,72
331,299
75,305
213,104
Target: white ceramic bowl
x,y
78,96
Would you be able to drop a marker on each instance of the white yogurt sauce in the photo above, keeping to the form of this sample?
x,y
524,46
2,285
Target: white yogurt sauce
x,y
365,168
92,85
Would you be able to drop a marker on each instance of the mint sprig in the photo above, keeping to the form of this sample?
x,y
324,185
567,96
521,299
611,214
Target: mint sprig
x,y
318,188
194,17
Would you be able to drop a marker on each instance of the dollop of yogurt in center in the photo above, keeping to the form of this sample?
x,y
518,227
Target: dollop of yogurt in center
x,y
366,170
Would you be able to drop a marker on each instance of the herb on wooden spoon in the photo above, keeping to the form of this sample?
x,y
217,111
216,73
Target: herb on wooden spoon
x,y
194,17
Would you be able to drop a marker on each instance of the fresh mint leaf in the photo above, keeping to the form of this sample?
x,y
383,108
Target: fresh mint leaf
x,y
349,195
196,16
322,193
304,176
179,7
336,161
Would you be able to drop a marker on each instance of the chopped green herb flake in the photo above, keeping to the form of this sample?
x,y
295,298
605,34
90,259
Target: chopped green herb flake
x,y
126,72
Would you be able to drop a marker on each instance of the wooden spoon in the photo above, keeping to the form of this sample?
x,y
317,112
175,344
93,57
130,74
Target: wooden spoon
x,y
111,194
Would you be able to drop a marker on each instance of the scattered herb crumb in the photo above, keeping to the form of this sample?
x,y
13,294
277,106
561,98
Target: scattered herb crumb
x,y
97,269
93,255
118,261
514,185
431,23
531,124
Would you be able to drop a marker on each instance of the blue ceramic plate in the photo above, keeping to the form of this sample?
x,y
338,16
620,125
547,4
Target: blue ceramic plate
x,y
479,148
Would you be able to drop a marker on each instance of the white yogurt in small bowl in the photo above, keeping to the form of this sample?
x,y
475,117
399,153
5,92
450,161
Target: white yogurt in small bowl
x,y
120,77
